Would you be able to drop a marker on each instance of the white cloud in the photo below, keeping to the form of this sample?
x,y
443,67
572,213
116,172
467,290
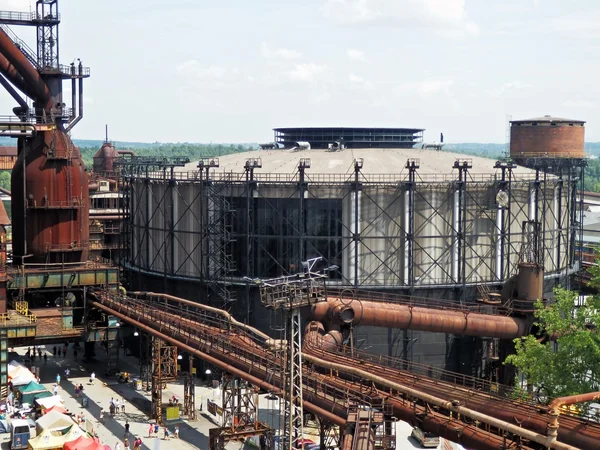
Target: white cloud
x,y
15,5
509,87
581,24
193,67
306,71
447,17
278,53
425,88
582,104
356,55
358,82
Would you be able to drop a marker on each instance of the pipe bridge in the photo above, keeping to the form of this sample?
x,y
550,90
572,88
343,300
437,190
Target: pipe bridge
x,y
459,408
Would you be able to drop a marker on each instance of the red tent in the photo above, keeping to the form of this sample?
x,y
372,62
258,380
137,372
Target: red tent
x,y
57,408
83,443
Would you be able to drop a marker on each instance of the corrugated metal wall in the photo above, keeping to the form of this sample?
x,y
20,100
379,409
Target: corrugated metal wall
x,y
169,222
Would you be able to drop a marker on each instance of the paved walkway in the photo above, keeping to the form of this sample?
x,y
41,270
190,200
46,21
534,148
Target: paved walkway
x,y
192,435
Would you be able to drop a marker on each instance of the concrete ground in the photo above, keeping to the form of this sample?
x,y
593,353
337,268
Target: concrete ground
x,y
192,435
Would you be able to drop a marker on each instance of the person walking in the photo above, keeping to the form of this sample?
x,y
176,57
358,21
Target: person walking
x,y
137,443
58,378
123,405
102,415
126,444
92,378
118,446
45,358
156,429
126,428
176,433
39,352
150,430
116,403
67,373
65,348
54,351
59,352
166,430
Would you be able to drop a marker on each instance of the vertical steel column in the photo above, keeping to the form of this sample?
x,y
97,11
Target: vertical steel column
x,y
148,215
502,205
293,428
172,185
409,257
559,213
573,182
303,164
251,187
358,165
189,394
463,166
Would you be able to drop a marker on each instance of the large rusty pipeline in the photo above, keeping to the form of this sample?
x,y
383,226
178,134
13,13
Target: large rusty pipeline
x,y
394,315
332,413
212,309
29,74
549,440
573,432
12,75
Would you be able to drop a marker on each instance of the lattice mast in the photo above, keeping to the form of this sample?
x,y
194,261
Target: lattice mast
x,y
291,293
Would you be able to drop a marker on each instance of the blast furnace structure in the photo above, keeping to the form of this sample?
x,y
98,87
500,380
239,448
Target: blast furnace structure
x,y
428,224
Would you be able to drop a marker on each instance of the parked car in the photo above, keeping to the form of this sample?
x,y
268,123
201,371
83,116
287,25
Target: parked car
x,y
426,439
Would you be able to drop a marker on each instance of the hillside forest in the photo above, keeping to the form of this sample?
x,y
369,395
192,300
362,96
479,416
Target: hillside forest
x,y
196,151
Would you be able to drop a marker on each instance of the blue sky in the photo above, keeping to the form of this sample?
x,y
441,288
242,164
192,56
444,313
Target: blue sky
x,y
230,71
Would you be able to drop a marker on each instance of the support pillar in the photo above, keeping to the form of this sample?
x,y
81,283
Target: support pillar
x,y
164,364
189,395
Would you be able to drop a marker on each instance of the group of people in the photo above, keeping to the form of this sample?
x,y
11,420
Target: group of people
x,y
62,351
115,404
137,444
154,428
31,353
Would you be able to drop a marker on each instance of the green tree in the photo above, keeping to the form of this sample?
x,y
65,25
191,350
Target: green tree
x,y
570,364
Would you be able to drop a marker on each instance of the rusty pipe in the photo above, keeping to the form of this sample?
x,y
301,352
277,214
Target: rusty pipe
x,y
26,70
9,71
394,315
330,416
222,313
14,94
549,441
557,403
126,152
94,186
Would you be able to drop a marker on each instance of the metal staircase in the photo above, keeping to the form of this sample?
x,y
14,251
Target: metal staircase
x,y
220,240
21,45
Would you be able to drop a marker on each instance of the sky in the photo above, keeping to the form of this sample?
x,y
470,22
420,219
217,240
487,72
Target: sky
x,y
231,70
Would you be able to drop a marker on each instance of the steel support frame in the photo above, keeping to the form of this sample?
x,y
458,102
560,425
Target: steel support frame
x,y
329,436
506,228
164,370
189,391
293,413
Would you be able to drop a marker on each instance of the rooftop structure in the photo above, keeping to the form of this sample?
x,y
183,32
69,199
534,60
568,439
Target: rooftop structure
x,y
326,137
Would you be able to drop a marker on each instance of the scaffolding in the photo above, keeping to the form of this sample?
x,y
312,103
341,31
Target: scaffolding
x,y
164,370
240,416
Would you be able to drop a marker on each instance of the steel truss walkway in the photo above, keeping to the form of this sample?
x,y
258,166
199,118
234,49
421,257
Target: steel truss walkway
x,y
452,406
